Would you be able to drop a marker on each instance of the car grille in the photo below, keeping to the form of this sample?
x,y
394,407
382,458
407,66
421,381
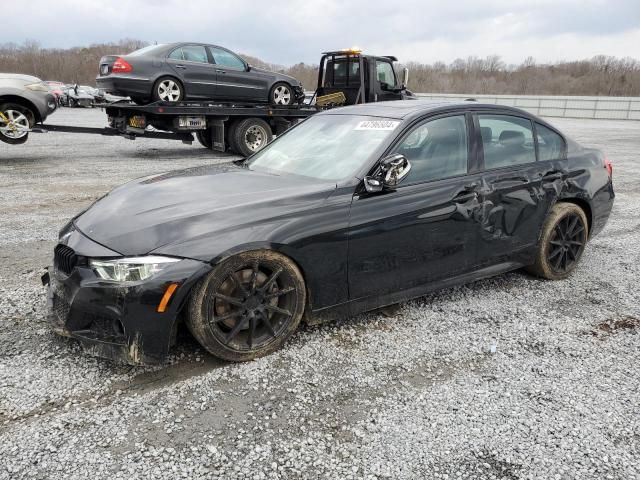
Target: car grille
x,y
64,259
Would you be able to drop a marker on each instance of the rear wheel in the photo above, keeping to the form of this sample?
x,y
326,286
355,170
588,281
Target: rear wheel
x,y
204,137
15,122
248,306
168,89
249,135
564,237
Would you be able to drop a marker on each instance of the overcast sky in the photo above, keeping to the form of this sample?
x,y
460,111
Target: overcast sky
x,y
290,31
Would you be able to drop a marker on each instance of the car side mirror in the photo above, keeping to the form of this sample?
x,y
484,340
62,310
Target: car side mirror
x,y
405,77
393,169
249,67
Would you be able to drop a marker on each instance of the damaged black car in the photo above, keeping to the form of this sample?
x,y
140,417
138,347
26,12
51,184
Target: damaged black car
x,y
351,210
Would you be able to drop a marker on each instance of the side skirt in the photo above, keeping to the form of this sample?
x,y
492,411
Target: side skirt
x,y
360,305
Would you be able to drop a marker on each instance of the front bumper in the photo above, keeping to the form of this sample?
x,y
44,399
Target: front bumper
x,y
298,91
115,320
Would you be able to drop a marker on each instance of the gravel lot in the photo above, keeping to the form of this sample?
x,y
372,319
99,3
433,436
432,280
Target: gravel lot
x,y
509,378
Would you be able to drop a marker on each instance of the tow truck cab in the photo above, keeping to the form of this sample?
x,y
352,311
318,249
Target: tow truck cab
x,y
360,78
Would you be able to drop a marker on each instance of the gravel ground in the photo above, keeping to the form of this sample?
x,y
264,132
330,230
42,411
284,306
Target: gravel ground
x,y
509,378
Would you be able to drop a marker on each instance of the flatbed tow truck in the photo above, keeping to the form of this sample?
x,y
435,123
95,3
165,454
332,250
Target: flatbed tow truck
x,y
345,77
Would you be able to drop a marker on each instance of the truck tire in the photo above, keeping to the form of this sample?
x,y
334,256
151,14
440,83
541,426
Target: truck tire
x,y
250,135
204,137
19,116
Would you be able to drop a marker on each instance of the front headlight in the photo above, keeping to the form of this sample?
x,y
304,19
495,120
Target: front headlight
x,y
38,87
130,269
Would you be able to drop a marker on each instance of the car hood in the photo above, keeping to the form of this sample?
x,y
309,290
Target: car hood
x,y
17,76
180,206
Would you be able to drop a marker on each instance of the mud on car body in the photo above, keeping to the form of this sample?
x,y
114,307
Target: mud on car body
x,y
351,210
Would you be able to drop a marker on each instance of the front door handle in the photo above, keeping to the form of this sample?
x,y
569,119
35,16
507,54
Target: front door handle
x,y
220,71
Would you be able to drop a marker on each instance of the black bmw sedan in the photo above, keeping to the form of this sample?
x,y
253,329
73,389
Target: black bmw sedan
x,y
351,210
186,71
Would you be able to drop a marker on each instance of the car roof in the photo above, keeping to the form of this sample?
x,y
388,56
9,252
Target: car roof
x,y
406,109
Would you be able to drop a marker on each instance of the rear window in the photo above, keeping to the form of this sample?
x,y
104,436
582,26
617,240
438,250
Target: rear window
x,y
550,144
145,50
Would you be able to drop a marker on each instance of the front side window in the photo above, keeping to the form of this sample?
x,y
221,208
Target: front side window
x,y
327,147
226,58
550,144
506,141
384,72
436,149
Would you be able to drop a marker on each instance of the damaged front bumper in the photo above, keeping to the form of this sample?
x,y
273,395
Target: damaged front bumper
x,y
114,320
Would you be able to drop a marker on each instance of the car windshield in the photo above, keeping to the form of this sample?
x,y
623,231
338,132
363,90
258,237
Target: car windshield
x,y
144,50
327,147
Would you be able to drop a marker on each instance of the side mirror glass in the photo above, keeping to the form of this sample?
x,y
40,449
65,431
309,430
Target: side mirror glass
x,y
405,77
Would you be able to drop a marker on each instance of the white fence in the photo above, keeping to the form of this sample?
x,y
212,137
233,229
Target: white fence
x,y
612,108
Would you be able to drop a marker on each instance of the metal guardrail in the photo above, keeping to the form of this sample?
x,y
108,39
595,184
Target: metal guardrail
x,y
610,108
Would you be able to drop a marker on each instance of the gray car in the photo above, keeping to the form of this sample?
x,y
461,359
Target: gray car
x,y
184,71
24,101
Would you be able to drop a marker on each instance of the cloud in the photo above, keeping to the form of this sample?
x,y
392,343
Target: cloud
x,y
290,31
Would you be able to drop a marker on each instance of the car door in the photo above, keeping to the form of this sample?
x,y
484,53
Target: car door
x,y
236,80
192,65
424,230
517,189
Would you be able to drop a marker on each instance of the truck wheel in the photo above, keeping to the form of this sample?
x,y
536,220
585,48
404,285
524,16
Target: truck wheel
x,y
204,137
281,94
168,89
248,306
250,135
19,118
564,236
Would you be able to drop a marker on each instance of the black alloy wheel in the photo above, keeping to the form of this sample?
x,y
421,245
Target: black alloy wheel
x,y
563,239
567,243
248,306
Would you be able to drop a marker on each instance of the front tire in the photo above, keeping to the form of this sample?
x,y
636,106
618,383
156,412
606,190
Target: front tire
x,y
248,306
564,237
168,89
281,94
19,119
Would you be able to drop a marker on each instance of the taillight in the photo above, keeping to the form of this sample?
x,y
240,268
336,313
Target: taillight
x,y
121,66
609,166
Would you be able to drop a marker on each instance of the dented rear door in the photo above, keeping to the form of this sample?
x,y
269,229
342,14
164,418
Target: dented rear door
x,y
516,189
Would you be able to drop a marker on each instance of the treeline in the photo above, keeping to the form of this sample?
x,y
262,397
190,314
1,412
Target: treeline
x,y
600,75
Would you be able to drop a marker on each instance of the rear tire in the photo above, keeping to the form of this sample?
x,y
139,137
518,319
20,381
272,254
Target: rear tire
x,y
248,306
249,136
564,237
204,137
19,117
168,89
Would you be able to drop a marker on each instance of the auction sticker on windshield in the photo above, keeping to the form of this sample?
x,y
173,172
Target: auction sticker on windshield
x,y
377,125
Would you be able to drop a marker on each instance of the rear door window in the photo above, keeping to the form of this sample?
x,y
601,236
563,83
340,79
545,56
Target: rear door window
x,y
506,140
550,144
190,53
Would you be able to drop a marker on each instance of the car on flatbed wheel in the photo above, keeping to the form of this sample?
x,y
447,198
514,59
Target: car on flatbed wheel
x,y
191,71
352,210
24,102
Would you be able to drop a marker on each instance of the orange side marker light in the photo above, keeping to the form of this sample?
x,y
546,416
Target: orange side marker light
x,y
162,306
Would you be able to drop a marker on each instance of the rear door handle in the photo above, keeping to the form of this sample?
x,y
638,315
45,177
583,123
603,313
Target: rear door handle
x,y
555,175
181,66
467,193
220,71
